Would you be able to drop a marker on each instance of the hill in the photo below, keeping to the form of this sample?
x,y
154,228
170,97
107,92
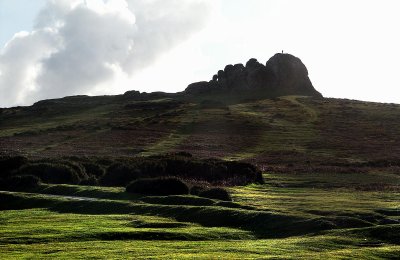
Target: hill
x,y
281,120
326,185
281,130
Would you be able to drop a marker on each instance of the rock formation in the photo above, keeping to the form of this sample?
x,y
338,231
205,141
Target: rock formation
x,y
283,74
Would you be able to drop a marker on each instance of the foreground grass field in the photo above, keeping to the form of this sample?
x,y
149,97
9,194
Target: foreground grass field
x,y
78,236
309,216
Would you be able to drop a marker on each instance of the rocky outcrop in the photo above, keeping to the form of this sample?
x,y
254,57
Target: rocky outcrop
x,y
291,75
283,74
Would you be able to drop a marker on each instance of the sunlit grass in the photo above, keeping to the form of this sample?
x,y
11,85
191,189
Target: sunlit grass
x,y
44,234
43,226
305,194
117,226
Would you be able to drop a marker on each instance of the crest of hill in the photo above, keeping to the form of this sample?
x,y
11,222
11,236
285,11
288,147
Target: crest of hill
x,y
283,74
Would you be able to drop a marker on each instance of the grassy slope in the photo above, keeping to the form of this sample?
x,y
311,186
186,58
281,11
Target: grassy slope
x,y
272,131
113,236
316,194
299,208
127,227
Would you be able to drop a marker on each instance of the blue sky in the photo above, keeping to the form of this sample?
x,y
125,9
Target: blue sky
x,y
108,47
17,15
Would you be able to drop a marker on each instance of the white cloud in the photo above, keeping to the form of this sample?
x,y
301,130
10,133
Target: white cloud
x,y
80,47
20,64
110,46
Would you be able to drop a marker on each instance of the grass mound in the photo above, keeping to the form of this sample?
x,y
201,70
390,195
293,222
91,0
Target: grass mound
x,y
20,183
75,166
51,173
263,224
372,234
120,174
179,200
195,190
91,181
216,193
233,205
158,186
9,164
183,166
93,169
121,171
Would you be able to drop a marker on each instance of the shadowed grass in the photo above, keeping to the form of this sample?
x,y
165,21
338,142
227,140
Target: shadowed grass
x,y
43,226
293,216
112,193
261,223
41,233
179,200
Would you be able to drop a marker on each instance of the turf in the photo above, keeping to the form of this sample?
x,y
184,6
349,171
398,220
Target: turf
x,y
45,234
302,216
285,130
332,187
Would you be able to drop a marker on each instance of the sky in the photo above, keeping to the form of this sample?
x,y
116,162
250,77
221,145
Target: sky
x,y
57,48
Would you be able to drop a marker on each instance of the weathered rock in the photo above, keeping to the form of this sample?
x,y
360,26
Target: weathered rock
x,y
221,74
258,76
253,64
284,74
201,87
291,75
237,79
131,94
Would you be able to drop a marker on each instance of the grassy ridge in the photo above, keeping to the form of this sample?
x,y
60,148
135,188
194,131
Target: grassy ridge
x,y
307,216
331,191
45,234
284,130
36,227
310,199
323,194
263,224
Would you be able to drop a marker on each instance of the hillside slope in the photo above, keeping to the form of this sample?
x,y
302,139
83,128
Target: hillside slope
x,y
269,114
284,130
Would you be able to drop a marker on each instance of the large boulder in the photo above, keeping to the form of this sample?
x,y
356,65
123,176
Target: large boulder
x,y
202,87
291,76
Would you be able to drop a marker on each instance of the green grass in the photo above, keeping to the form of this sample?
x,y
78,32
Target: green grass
x,y
284,124
42,226
311,215
261,223
291,129
41,233
165,145
292,216
320,194
113,193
